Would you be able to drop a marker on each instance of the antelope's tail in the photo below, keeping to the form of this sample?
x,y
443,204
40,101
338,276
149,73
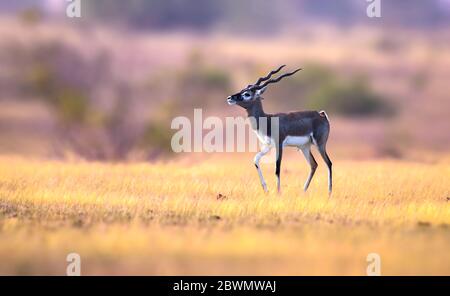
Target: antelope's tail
x,y
324,114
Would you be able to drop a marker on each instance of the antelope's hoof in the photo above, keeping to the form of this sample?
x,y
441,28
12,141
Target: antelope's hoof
x,y
265,188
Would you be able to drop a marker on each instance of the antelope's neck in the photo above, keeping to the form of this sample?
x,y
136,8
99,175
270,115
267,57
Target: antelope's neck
x,y
257,112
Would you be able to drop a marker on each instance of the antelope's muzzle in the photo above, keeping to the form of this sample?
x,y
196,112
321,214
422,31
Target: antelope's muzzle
x,y
231,100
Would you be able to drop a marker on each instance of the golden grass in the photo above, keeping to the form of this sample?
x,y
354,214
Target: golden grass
x,y
168,218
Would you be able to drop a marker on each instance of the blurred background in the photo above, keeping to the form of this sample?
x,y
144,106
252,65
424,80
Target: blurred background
x,y
107,85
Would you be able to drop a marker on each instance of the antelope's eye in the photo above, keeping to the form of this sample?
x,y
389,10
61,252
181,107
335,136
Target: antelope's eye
x,y
246,94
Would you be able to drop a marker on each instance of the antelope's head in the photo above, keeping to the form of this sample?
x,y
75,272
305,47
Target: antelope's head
x,y
252,93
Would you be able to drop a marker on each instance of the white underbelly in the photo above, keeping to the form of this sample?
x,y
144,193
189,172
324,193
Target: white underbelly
x,y
297,141
294,141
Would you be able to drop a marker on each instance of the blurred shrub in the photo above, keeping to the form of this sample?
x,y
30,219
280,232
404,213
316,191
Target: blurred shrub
x,y
72,106
319,87
198,83
41,80
30,16
90,122
205,79
49,80
101,127
157,135
353,98
305,82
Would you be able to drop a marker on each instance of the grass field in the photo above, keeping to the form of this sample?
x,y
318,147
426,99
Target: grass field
x,y
211,217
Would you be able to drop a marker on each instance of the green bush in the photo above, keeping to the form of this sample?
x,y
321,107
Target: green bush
x,y
215,78
199,84
157,136
205,78
31,16
72,106
41,80
353,97
318,87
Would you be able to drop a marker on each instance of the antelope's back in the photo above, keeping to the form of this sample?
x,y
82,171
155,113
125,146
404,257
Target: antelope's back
x,y
302,123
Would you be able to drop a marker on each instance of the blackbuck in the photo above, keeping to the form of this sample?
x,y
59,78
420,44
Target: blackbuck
x,y
300,129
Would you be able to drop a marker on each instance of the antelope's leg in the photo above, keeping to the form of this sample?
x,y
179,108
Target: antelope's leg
x,y
258,156
278,167
312,163
323,152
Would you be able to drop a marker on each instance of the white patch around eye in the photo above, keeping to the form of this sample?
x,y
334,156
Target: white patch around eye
x,y
246,96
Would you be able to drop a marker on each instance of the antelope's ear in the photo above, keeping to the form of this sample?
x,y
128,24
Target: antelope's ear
x,y
259,92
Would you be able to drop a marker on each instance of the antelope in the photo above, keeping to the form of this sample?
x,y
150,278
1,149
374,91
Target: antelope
x,y
300,129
